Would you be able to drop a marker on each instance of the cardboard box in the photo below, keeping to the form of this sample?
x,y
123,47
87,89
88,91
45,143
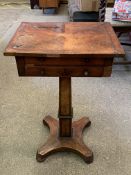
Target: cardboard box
x,y
89,5
110,1
122,10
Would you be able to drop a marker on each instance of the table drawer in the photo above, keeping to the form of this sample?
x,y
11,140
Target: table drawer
x,y
65,61
72,71
28,67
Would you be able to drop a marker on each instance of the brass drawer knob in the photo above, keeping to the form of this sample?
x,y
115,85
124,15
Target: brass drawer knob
x,y
86,73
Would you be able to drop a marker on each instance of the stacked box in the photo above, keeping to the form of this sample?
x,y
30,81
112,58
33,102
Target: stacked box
x,y
122,10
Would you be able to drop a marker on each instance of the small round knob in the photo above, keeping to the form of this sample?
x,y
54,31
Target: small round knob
x,y
86,73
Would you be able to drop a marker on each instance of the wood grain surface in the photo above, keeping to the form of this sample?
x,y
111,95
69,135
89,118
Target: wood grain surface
x,y
43,39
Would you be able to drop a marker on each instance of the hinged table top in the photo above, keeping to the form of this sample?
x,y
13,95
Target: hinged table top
x,y
39,39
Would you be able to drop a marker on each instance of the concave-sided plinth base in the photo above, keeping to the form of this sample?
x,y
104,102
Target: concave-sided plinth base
x,y
74,144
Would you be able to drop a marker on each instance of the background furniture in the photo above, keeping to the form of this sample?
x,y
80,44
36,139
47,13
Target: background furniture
x,y
119,27
110,3
34,3
44,4
49,3
80,13
62,50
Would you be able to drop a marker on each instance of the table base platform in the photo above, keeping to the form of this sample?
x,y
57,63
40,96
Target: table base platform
x,y
74,144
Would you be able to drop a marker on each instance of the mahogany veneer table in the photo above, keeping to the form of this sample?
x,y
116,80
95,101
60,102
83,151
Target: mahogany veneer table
x,y
64,50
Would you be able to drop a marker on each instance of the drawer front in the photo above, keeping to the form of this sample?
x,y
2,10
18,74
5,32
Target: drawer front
x,y
51,68
59,71
71,61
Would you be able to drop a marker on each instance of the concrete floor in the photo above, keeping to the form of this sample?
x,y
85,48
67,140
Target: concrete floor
x,y
25,101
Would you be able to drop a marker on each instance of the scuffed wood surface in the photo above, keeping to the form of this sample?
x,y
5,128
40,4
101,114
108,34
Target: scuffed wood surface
x,y
40,39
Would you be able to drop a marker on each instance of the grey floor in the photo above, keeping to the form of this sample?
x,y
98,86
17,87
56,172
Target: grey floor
x,y
25,101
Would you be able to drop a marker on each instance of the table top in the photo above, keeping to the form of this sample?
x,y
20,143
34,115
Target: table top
x,y
40,39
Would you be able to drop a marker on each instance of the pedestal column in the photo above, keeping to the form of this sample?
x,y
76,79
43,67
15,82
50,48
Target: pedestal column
x,y
65,107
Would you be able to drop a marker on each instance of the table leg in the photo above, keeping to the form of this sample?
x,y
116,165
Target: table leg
x,y
65,135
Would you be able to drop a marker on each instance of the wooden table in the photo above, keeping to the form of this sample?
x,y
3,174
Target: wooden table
x,y
64,50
